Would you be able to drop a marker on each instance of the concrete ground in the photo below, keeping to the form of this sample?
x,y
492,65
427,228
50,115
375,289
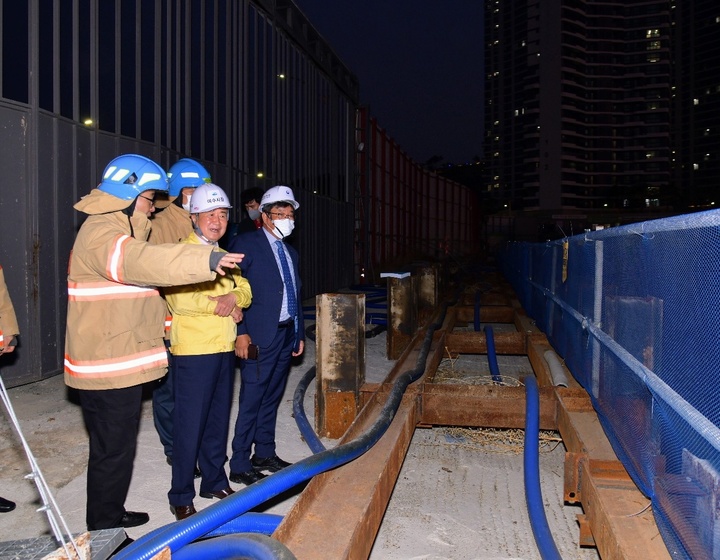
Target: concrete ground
x,y
457,497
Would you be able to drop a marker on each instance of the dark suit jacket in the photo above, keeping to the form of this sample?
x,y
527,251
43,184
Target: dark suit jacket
x,y
261,270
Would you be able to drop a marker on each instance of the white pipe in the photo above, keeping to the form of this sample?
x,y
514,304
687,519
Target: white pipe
x,y
557,373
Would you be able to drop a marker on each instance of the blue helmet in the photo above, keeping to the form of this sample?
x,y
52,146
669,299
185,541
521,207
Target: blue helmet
x,y
128,175
186,173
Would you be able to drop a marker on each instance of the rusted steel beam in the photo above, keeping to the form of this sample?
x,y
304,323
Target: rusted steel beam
x,y
525,324
487,406
401,315
622,525
506,343
350,501
339,513
340,343
594,477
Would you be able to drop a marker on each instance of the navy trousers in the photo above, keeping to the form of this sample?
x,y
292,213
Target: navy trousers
x,y
203,395
163,402
112,419
262,386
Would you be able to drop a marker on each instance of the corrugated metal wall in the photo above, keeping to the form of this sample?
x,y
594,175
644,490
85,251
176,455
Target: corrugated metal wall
x,y
248,88
406,212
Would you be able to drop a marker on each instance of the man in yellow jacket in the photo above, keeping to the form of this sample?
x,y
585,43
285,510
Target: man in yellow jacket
x,y
114,336
171,224
202,339
8,332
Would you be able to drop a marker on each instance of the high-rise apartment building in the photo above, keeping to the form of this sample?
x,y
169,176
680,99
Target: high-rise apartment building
x,y
579,98
696,103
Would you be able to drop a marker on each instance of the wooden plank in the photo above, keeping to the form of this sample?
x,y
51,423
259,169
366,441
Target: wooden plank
x,y
489,406
348,503
506,343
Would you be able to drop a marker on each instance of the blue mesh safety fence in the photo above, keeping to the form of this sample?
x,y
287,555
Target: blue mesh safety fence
x,y
635,313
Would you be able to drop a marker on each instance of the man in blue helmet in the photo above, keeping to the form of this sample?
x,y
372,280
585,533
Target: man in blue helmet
x,y
172,224
114,334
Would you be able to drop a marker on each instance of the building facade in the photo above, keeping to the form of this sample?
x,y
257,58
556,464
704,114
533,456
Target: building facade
x,y
580,105
246,87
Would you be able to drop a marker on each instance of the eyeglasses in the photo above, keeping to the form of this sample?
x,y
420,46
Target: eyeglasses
x,y
150,200
281,216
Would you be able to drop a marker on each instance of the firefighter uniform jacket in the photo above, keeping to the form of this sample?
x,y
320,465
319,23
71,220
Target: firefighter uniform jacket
x,y
115,319
171,225
8,321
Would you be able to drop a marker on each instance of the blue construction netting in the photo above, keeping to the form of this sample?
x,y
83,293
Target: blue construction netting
x,y
635,313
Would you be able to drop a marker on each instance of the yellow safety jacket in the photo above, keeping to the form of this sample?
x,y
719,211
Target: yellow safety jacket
x,y
196,330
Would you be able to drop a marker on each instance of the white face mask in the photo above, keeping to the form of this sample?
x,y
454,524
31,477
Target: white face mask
x,y
187,206
253,213
285,227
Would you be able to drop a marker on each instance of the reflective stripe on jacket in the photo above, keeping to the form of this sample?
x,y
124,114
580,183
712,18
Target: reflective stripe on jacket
x,y
116,317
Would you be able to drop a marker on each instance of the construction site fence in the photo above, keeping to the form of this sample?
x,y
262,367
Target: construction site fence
x,y
405,212
634,311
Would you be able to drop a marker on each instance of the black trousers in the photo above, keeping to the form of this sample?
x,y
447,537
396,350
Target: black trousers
x,y
112,419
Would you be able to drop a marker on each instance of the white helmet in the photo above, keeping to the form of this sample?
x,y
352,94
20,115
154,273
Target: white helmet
x,y
208,197
279,194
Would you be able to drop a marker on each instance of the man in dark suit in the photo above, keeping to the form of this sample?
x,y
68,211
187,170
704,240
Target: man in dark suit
x,y
270,335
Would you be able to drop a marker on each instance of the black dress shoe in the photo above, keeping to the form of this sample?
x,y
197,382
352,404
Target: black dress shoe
x,y
6,505
247,477
219,494
134,518
272,464
183,512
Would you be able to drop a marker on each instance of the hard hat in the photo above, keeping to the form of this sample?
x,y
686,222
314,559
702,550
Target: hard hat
x,y
279,194
186,173
128,175
208,197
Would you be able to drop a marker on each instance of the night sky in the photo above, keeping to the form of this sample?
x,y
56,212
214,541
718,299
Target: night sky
x,y
420,68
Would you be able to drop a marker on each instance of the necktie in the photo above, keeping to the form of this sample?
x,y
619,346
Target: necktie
x,y
287,277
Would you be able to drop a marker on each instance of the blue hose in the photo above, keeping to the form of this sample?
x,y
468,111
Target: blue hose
x,y
236,547
306,430
492,356
250,522
181,533
531,462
